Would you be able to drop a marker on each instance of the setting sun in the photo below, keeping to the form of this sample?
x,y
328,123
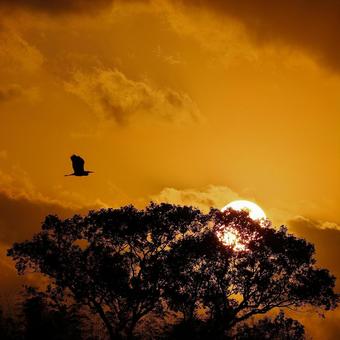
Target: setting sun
x,y
255,212
231,237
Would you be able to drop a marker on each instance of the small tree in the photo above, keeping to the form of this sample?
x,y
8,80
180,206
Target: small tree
x,y
9,327
125,264
43,321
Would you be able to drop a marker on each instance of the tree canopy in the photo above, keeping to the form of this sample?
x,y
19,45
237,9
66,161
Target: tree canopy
x,y
127,264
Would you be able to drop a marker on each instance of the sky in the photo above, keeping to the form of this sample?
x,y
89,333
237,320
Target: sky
x,y
189,102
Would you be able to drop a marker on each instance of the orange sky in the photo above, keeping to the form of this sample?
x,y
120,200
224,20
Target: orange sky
x,y
191,102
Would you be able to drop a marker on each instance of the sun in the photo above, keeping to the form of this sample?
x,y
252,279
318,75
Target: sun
x,y
255,212
231,237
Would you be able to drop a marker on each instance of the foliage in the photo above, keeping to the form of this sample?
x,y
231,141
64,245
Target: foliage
x,y
42,321
126,264
9,327
275,270
280,328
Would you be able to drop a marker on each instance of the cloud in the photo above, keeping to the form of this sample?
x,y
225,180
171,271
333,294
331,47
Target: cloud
x,y
325,235
302,24
326,238
56,6
23,208
60,6
112,95
310,223
21,217
312,26
204,199
16,54
22,211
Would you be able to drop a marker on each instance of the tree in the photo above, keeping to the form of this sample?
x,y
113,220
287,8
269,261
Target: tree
x,y
268,269
279,328
9,327
110,260
126,264
45,321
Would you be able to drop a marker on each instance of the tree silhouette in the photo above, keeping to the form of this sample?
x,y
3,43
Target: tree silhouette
x,y
43,321
126,264
273,270
110,261
9,327
279,328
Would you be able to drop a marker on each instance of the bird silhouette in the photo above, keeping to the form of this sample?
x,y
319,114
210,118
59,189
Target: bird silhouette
x,y
78,167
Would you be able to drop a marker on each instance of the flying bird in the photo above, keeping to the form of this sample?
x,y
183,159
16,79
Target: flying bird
x,y
78,167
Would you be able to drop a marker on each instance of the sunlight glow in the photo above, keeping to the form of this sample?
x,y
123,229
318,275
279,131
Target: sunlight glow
x,y
255,212
232,238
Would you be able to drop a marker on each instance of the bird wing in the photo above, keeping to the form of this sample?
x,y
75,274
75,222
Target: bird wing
x,y
77,164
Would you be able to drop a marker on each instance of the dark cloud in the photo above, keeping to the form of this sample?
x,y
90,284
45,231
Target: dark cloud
x,y
21,217
312,25
326,238
56,6
61,6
